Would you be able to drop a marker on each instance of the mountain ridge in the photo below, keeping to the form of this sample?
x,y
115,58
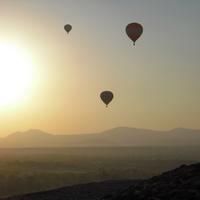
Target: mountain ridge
x,y
119,136
35,130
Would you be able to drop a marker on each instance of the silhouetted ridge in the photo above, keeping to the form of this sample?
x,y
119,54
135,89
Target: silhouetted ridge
x,y
90,191
182,183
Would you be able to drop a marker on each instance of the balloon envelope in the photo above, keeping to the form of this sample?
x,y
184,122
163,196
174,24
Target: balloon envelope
x,y
68,28
134,31
106,97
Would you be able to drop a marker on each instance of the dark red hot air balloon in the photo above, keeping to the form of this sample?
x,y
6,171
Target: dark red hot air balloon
x,y
106,97
68,28
134,31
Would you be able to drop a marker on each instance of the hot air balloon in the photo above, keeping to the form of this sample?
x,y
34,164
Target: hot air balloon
x,y
106,97
68,28
134,31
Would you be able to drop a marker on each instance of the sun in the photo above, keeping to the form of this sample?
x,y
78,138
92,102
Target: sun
x,y
16,74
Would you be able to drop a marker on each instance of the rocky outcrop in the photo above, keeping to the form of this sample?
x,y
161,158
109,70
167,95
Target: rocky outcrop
x,y
182,183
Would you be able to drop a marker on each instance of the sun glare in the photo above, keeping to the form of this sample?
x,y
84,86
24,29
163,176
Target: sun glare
x,y
16,74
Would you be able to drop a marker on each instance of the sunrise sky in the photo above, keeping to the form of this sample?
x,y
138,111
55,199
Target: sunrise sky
x,y
156,83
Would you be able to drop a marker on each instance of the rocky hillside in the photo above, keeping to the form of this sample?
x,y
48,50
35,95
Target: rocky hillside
x,y
182,183
90,191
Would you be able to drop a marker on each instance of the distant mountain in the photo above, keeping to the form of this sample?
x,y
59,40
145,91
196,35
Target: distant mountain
x,y
121,136
182,183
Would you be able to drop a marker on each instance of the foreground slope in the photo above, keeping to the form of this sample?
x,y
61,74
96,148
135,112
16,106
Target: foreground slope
x,y
78,192
182,183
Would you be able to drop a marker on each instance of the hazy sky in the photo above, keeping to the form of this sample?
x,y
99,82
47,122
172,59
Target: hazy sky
x,y
156,83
